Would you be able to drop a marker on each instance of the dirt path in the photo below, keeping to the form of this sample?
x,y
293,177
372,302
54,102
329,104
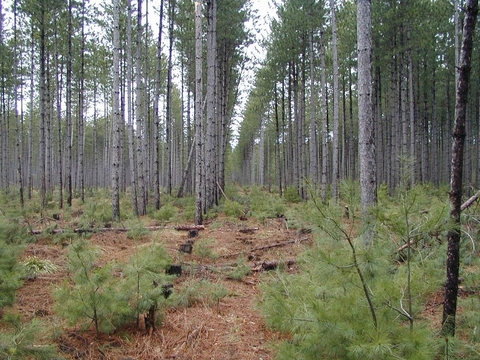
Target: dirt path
x,y
231,329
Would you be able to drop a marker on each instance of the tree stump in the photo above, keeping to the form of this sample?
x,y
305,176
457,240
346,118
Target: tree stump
x,y
186,247
174,270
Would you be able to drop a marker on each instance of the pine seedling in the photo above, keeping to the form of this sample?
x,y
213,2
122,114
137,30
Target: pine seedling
x,y
20,341
94,295
325,308
10,271
146,283
241,269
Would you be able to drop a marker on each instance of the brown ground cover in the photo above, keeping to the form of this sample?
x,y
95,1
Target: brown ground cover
x,y
231,329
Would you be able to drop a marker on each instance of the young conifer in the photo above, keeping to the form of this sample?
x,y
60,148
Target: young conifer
x,y
94,295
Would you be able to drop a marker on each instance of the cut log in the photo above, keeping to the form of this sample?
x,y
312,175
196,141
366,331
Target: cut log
x,y
189,227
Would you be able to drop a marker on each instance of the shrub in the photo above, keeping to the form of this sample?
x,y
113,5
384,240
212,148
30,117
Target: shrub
x,y
203,249
33,266
166,212
291,195
232,208
240,271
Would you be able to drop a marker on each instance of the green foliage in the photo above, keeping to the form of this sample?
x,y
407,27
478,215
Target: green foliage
x,y
264,205
137,231
98,210
145,277
325,307
21,341
94,295
12,237
204,249
186,207
232,208
166,212
291,195
240,271
199,292
34,266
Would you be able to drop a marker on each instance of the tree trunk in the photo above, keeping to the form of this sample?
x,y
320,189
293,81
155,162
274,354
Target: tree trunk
x,y
42,144
116,146
169,121
131,132
81,101
198,116
456,181
323,107
68,125
336,132
313,142
140,117
366,134
18,142
156,127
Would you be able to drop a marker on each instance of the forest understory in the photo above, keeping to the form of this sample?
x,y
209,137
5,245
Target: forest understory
x,y
263,277
228,328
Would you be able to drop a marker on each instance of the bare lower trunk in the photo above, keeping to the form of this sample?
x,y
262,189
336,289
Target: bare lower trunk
x,y
456,181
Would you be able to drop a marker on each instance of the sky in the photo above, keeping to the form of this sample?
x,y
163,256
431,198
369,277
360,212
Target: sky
x,y
261,27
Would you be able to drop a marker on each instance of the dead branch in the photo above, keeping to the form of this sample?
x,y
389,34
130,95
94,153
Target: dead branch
x,y
248,230
470,201
189,227
117,229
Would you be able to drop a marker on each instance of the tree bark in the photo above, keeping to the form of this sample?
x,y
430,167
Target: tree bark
x,y
156,127
336,132
198,115
456,181
116,114
366,134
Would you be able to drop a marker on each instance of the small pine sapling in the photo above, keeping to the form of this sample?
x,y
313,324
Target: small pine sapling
x,y
95,295
146,283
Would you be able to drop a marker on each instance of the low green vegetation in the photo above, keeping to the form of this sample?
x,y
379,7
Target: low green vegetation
x,y
346,301
13,238
355,302
21,340
111,295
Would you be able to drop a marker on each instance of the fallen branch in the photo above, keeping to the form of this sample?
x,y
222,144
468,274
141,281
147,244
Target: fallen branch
x,y
189,227
470,201
117,229
248,230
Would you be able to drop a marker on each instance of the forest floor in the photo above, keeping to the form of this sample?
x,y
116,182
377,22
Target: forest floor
x,y
231,329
